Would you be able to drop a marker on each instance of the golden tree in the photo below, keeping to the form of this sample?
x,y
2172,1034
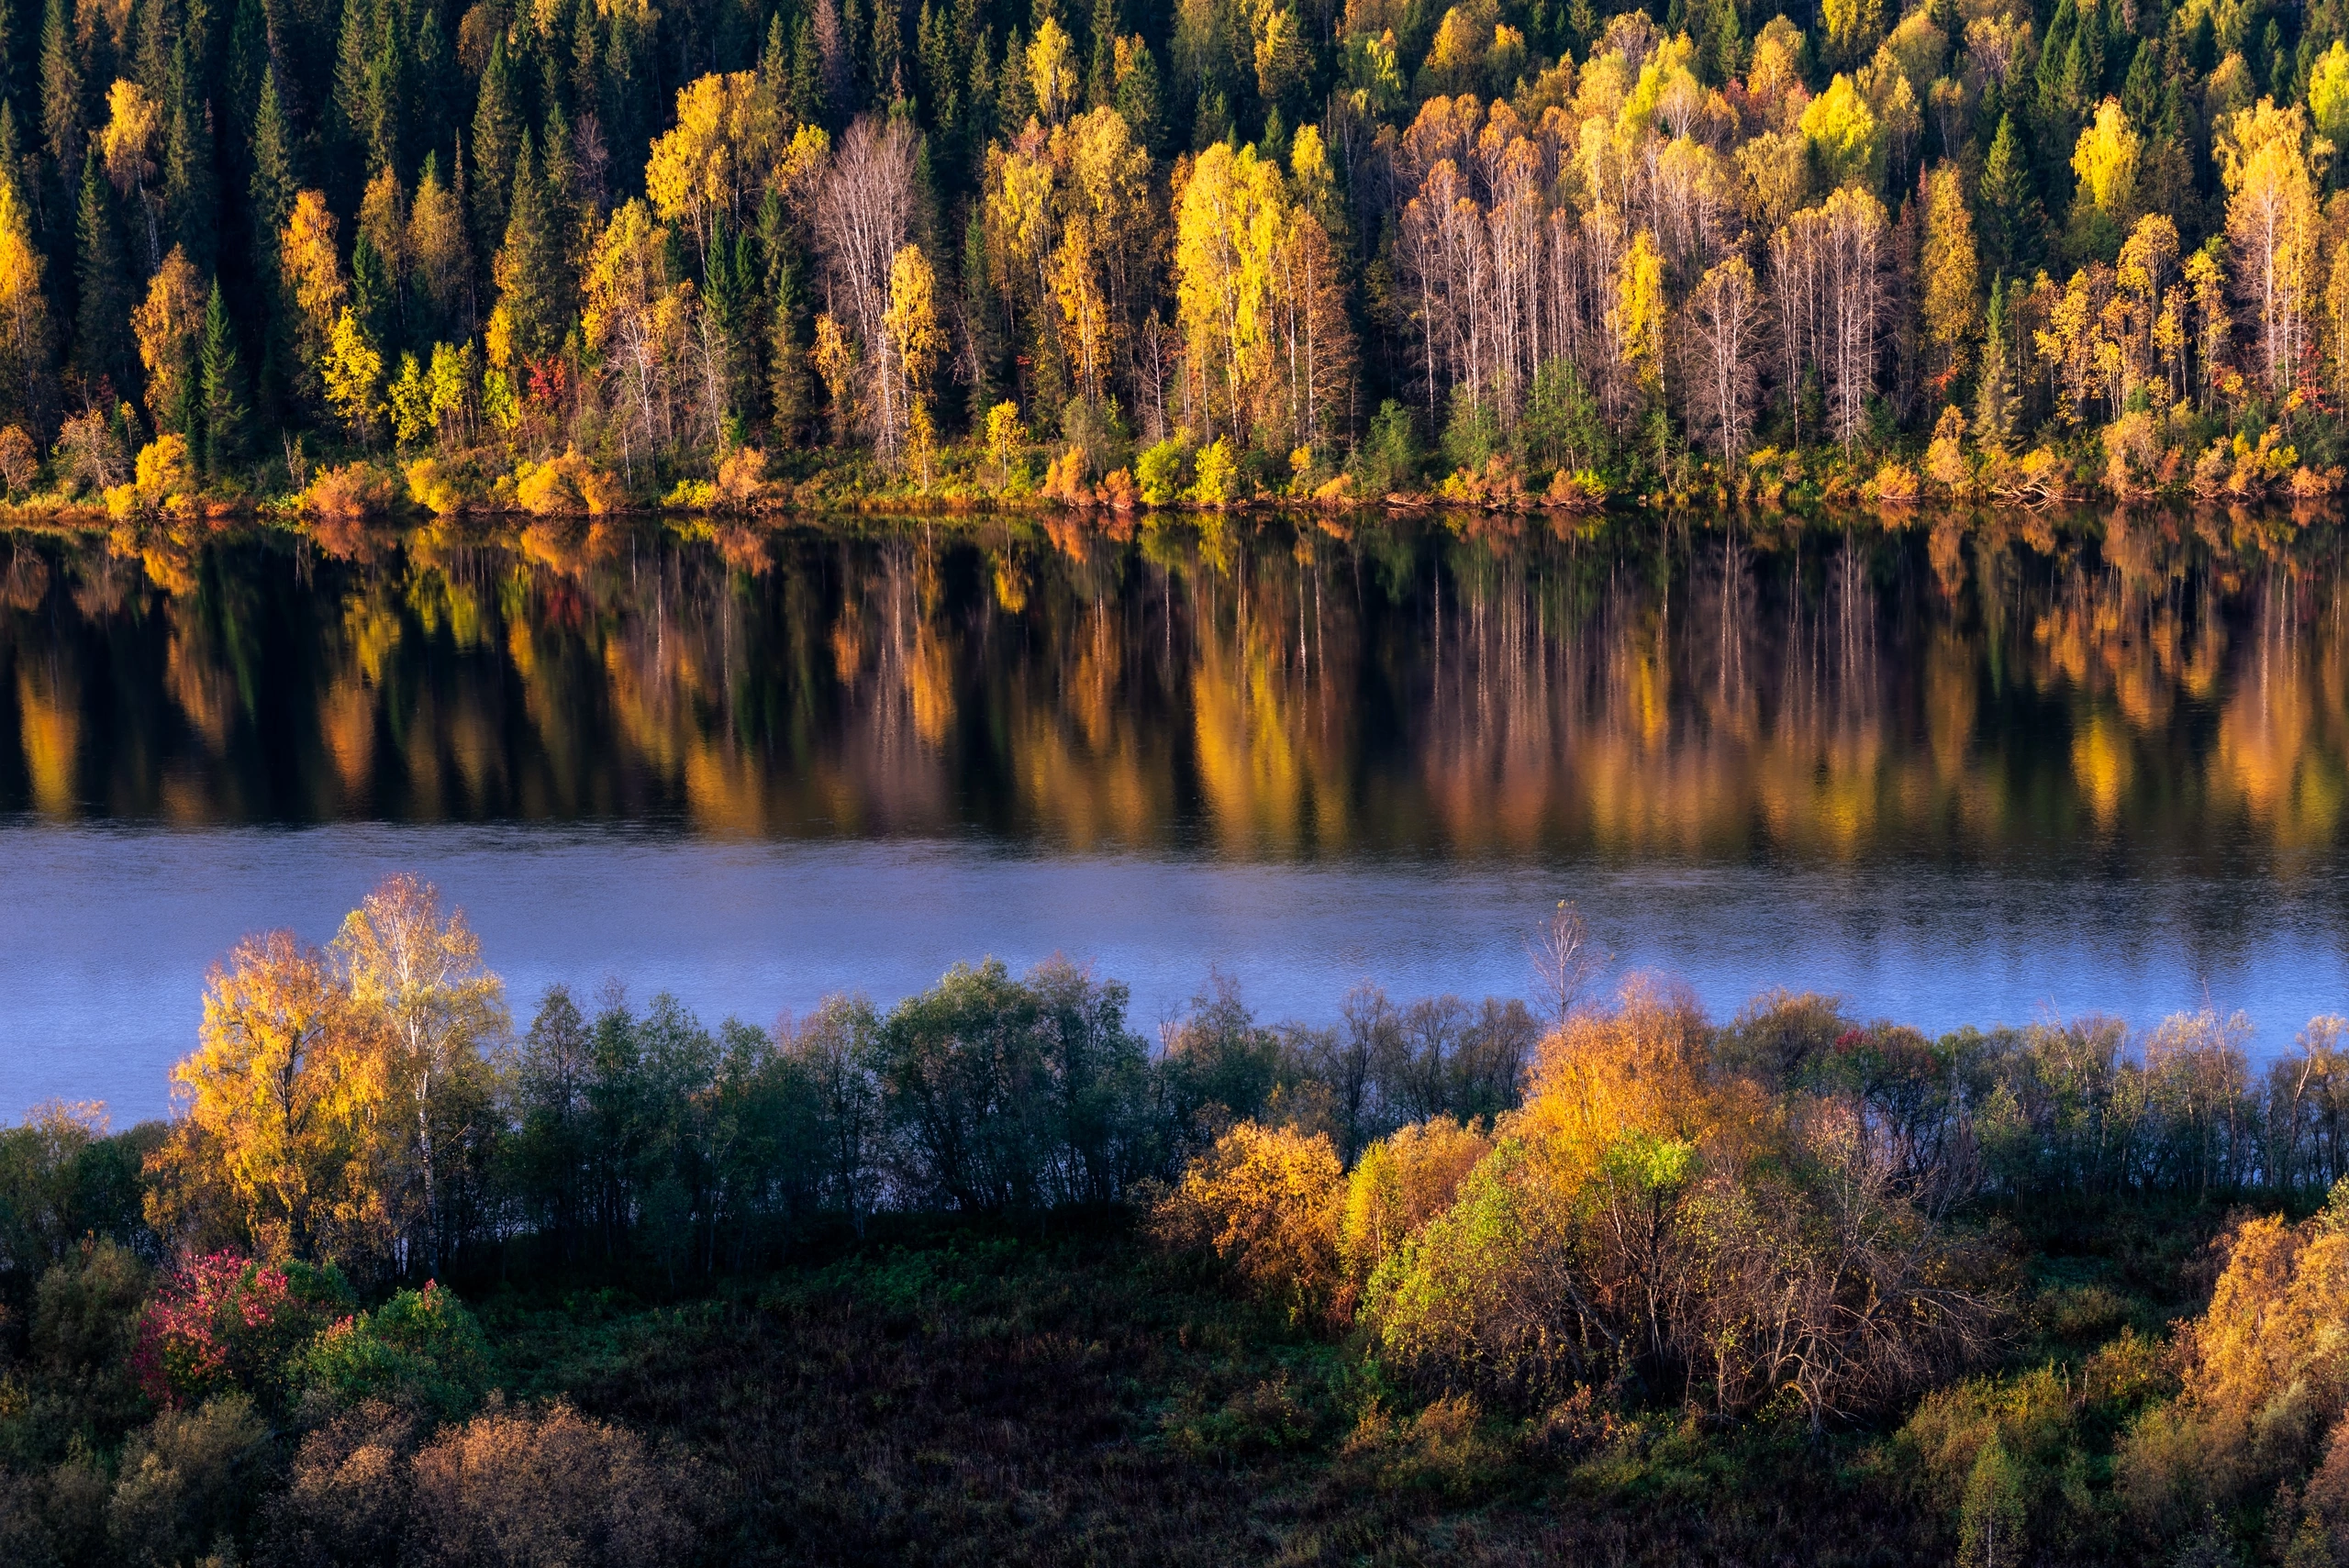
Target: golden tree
x,y
1950,273
415,977
168,324
2265,160
281,1097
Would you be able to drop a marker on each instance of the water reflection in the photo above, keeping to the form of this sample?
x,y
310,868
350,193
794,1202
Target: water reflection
x,y
1976,690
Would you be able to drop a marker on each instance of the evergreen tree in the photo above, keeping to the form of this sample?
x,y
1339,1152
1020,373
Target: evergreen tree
x,y
497,136
1101,81
102,346
533,269
61,123
189,195
2009,203
221,387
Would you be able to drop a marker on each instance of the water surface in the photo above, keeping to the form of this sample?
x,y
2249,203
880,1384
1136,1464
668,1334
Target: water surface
x,y
1966,770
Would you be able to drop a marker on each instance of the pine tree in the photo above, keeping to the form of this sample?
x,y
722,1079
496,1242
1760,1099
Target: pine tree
x,y
102,348
221,388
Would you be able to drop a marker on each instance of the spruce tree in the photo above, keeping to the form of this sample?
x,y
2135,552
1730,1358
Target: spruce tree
x,y
61,87
221,387
189,194
532,270
1101,82
497,135
102,348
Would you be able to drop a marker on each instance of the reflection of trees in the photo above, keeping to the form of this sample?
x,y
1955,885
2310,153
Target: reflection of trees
x,y
1492,684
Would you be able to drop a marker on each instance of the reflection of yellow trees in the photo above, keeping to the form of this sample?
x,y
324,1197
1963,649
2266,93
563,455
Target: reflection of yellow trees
x,y
50,721
2102,765
1822,693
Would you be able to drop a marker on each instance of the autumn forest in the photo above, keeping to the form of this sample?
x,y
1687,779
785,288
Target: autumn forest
x,y
573,257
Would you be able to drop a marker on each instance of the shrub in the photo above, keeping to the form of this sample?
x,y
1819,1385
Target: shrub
x,y
421,1349
19,460
566,485
186,1481
1265,1201
346,1500
743,477
1400,1184
1158,472
349,494
1216,474
513,1487
86,1309
434,485
223,1321
162,477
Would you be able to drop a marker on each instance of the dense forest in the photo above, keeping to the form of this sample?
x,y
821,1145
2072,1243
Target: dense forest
x,y
574,255
986,1276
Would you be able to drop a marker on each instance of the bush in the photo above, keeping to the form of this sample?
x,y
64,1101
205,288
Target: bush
x,y
346,1501
1159,472
1265,1201
222,1321
353,493
514,1487
1215,478
187,1482
566,485
86,1309
421,1349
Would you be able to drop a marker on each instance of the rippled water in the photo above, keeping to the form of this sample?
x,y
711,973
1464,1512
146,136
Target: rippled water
x,y
1970,770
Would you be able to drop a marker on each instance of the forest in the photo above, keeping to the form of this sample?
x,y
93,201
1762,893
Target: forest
x,y
986,1276
584,255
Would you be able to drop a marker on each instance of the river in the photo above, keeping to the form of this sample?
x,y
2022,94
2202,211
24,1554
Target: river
x,y
1960,769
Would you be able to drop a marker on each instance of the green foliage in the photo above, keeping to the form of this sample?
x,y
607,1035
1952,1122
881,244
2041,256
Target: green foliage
x,y
1159,471
1473,433
421,1349
1388,457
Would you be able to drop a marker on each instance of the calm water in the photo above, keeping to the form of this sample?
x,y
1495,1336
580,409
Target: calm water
x,y
1972,770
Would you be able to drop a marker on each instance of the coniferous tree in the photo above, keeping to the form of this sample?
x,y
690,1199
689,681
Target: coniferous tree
x,y
220,387
188,191
533,269
102,348
61,121
497,138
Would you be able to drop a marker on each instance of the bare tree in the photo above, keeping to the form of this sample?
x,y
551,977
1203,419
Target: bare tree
x,y
862,210
1566,959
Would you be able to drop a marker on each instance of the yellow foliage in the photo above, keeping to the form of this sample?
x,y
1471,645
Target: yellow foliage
x,y
565,486
134,127
353,492
2105,160
167,323
311,263
1843,129
279,1098
1400,1184
1266,1202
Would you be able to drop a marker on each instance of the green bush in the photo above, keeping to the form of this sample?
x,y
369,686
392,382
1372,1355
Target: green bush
x,y
1388,457
421,1349
1159,471
1218,481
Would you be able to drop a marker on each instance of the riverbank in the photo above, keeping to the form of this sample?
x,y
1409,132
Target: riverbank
x,y
1175,476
